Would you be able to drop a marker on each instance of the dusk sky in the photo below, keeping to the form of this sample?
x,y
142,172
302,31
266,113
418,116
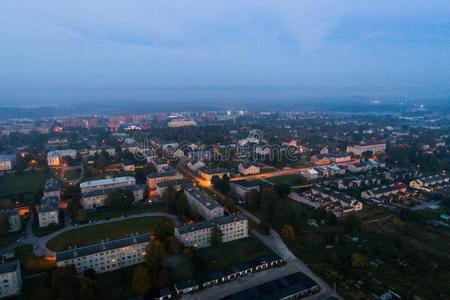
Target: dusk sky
x,y
372,48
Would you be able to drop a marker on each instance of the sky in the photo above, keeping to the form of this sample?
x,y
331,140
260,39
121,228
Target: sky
x,y
68,50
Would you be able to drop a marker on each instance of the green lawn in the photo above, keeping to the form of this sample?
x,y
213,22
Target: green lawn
x,y
423,249
287,179
112,285
10,238
96,233
30,263
140,208
72,174
232,253
27,182
39,232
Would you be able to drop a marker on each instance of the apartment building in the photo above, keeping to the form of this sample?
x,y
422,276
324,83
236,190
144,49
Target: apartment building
x,y
48,211
106,256
178,184
379,147
55,157
233,227
13,219
242,187
107,183
52,188
96,198
166,174
7,162
10,279
195,164
205,205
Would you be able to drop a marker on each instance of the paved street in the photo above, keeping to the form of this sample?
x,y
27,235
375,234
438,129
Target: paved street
x,y
40,243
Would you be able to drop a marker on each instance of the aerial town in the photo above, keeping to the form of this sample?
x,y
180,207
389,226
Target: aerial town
x,y
226,205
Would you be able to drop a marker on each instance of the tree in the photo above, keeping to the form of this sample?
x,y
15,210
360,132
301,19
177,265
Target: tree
x,y
288,232
225,184
168,197
172,245
89,289
216,236
65,283
181,204
330,218
265,227
81,215
114,199
164,229
230,203
359,261
128,197
282,189
268,198
216,182
352,223
154,255
141,280
4,225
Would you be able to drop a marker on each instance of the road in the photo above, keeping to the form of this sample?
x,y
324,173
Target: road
x,y
289,171
40,243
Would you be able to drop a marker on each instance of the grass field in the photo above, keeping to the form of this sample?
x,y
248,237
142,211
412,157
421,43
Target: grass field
x,y
135,209
232,253
72,174
414,259
113,285
287,179
10,238
96,233
27,182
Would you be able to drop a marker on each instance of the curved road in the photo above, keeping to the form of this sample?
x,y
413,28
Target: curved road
x,y
40,243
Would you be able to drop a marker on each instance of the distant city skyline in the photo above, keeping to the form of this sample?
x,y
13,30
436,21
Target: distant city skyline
x,y
86,51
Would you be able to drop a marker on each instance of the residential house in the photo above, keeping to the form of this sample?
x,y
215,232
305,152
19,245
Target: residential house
x,y
208,173
430,183
249,168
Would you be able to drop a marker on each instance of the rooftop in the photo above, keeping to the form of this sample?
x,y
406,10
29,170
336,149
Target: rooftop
x,y
107,181
8,267
203,197
210,223
101,247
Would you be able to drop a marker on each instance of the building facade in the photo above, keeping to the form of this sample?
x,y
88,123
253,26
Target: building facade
x,y
205,205
7,162
360,149
10,279
107,183
55,157
106,256
233,227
